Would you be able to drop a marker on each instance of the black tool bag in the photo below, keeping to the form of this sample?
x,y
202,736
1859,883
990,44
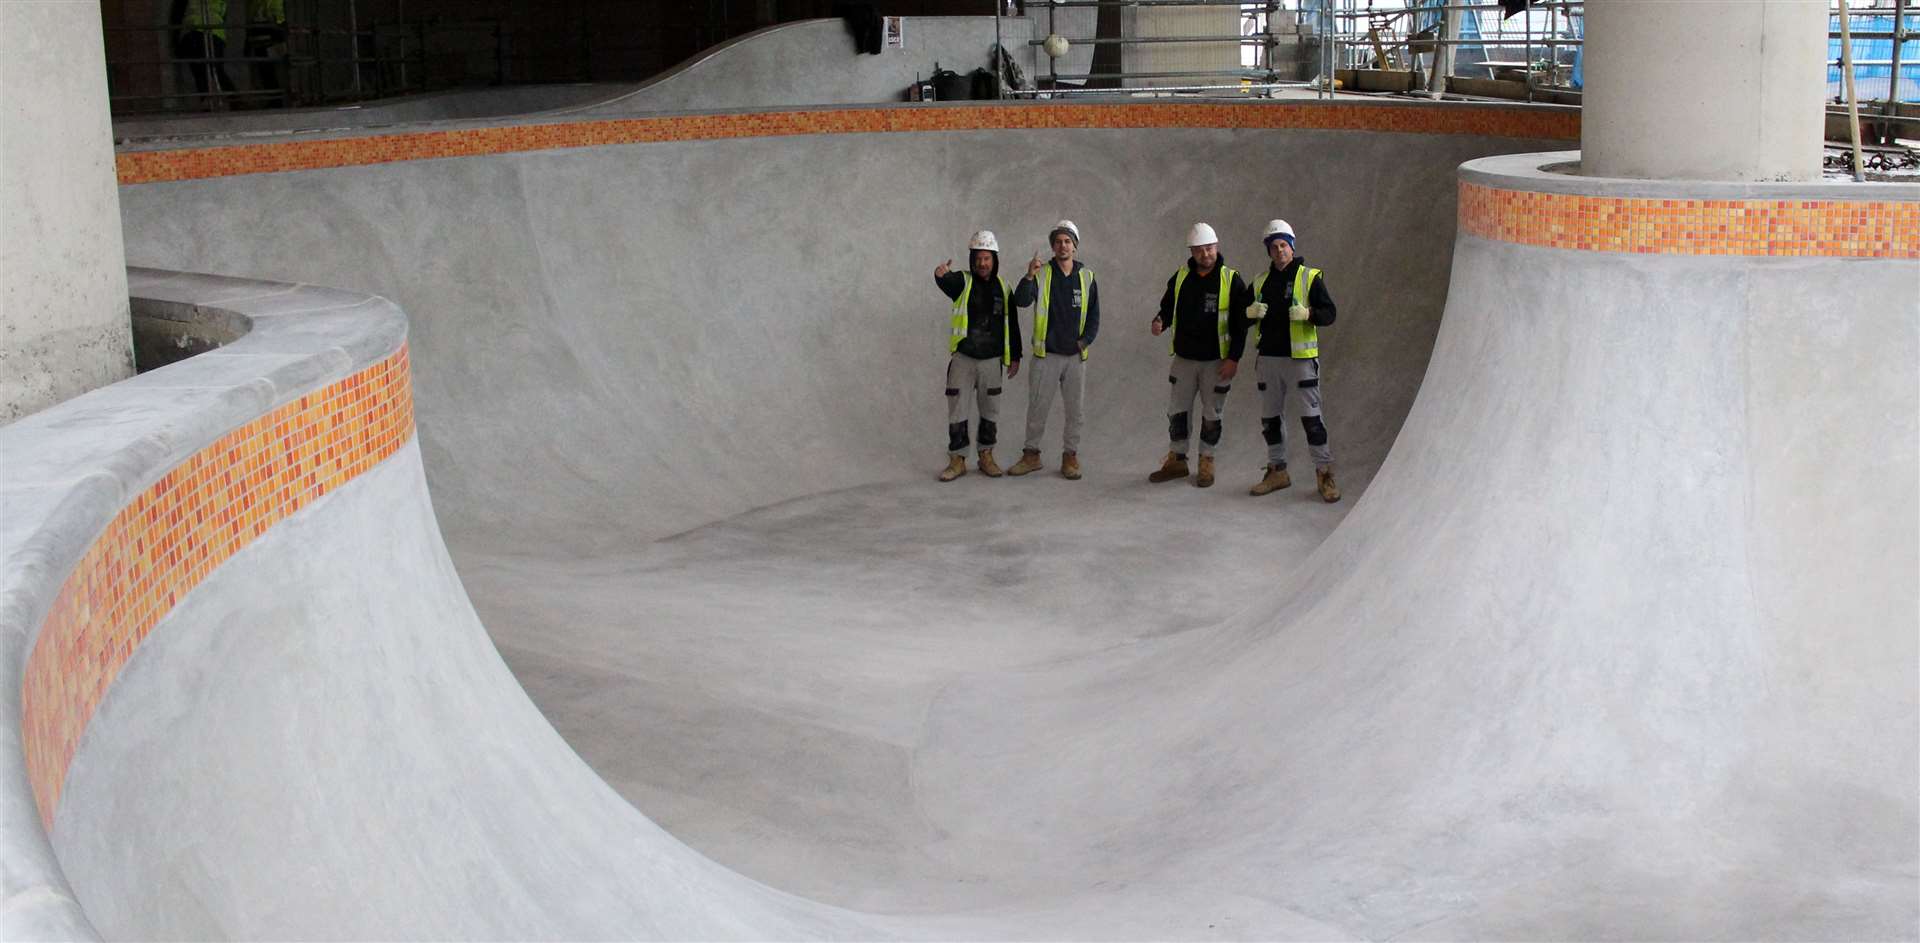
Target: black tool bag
x,y
951,86
985,86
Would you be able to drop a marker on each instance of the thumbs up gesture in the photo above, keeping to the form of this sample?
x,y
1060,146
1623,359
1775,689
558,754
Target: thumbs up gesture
x,y
1033,266
942,269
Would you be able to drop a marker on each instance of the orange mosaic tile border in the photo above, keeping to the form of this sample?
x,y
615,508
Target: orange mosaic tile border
x,y
169,538
136,167
1647,226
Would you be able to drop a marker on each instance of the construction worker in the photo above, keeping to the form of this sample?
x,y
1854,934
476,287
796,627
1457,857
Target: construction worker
x,y
1288,340
983,341
201,42
1066,318
1206,307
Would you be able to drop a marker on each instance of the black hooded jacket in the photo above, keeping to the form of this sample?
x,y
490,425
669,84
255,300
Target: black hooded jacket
x,y
1196,330
987,324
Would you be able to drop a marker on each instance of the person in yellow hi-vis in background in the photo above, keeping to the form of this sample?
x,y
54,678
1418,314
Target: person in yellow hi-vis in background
x,y
1066,319
983,340
201,44
1291,305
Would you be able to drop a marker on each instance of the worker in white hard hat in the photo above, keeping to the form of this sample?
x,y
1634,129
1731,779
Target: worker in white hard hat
x,y
1205,306
1291,305
1066,319
983,344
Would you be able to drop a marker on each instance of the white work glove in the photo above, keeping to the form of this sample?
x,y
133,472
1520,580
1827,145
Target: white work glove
x,y
1257,310
1298,312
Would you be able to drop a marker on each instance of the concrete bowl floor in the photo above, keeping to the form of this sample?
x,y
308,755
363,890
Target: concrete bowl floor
x,y
764,686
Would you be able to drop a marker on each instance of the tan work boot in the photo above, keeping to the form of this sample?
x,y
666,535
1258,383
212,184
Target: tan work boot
x,y
988,466
1175,466
1329,492
1028,464
1070,466
1205,478
956,466
1276,479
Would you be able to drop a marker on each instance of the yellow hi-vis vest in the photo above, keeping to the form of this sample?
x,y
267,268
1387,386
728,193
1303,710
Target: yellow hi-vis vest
x,y
1226,285
960,319
1046,294
1304,336
208,16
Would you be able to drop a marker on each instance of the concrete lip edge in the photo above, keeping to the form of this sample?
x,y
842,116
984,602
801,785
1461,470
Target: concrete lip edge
x,y
59,502
1552,172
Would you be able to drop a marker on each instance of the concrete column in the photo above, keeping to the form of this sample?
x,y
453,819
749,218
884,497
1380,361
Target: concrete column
x,y
63,282
1705,89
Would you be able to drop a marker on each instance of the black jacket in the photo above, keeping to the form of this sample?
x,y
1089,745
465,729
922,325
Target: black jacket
x,y
1275,339
1196,329
1064,335
987,324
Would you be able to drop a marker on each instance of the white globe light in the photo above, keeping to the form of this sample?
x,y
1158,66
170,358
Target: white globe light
x,y
1056,46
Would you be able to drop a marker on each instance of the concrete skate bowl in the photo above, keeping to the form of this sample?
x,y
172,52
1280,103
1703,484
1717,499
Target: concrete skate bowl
x,y
1575,663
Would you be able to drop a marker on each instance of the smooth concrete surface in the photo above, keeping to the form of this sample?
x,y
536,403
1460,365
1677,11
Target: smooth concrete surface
x,y
65,471
64,328
1617,641
1705,90
576,272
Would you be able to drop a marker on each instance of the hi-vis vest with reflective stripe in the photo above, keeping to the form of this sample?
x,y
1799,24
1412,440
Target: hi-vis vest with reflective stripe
x,y
208,16
960,319
1304,336
1046,295
1226,285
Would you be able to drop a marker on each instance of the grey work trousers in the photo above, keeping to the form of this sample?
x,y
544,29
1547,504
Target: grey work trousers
x,y
1277,375
981,378
1189,379
1065,374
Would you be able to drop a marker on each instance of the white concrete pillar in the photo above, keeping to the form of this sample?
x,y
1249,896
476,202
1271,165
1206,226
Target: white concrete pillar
x,y
1704,89
63,281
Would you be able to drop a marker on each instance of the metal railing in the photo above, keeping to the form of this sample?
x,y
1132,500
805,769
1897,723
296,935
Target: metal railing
x,y
1254,77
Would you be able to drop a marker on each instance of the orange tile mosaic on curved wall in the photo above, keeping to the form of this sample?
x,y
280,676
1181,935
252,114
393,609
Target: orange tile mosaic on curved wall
x,y
269,157
1824,228
167,540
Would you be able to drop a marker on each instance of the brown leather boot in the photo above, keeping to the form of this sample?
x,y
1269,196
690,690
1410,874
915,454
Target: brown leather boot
x,y
988,466
1175,466
956,466
1070,466
1028,464
1329,492
1276,479
1205,478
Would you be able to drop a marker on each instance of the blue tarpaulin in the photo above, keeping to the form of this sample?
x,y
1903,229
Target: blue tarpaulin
x,y
1873,59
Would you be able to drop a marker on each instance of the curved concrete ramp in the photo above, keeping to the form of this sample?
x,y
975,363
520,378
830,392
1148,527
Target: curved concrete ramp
x,y
1603,647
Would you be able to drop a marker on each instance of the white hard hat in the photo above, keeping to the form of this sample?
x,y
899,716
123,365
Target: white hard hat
x,y
1201,235
1277,227
983,240
1066,226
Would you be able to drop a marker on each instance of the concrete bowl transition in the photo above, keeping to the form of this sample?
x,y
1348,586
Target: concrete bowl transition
x,y
607,592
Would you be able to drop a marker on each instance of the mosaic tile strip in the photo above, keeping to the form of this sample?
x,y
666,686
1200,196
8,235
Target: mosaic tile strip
x,y
137,167
1823,228
169,538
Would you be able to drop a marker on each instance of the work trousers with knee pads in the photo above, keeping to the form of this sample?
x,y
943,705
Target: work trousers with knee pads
x,y
1065,374
1188,380
981,378
1277,376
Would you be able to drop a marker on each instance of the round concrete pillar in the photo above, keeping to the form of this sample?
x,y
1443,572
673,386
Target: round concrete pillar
x,y
63,279
1704,90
